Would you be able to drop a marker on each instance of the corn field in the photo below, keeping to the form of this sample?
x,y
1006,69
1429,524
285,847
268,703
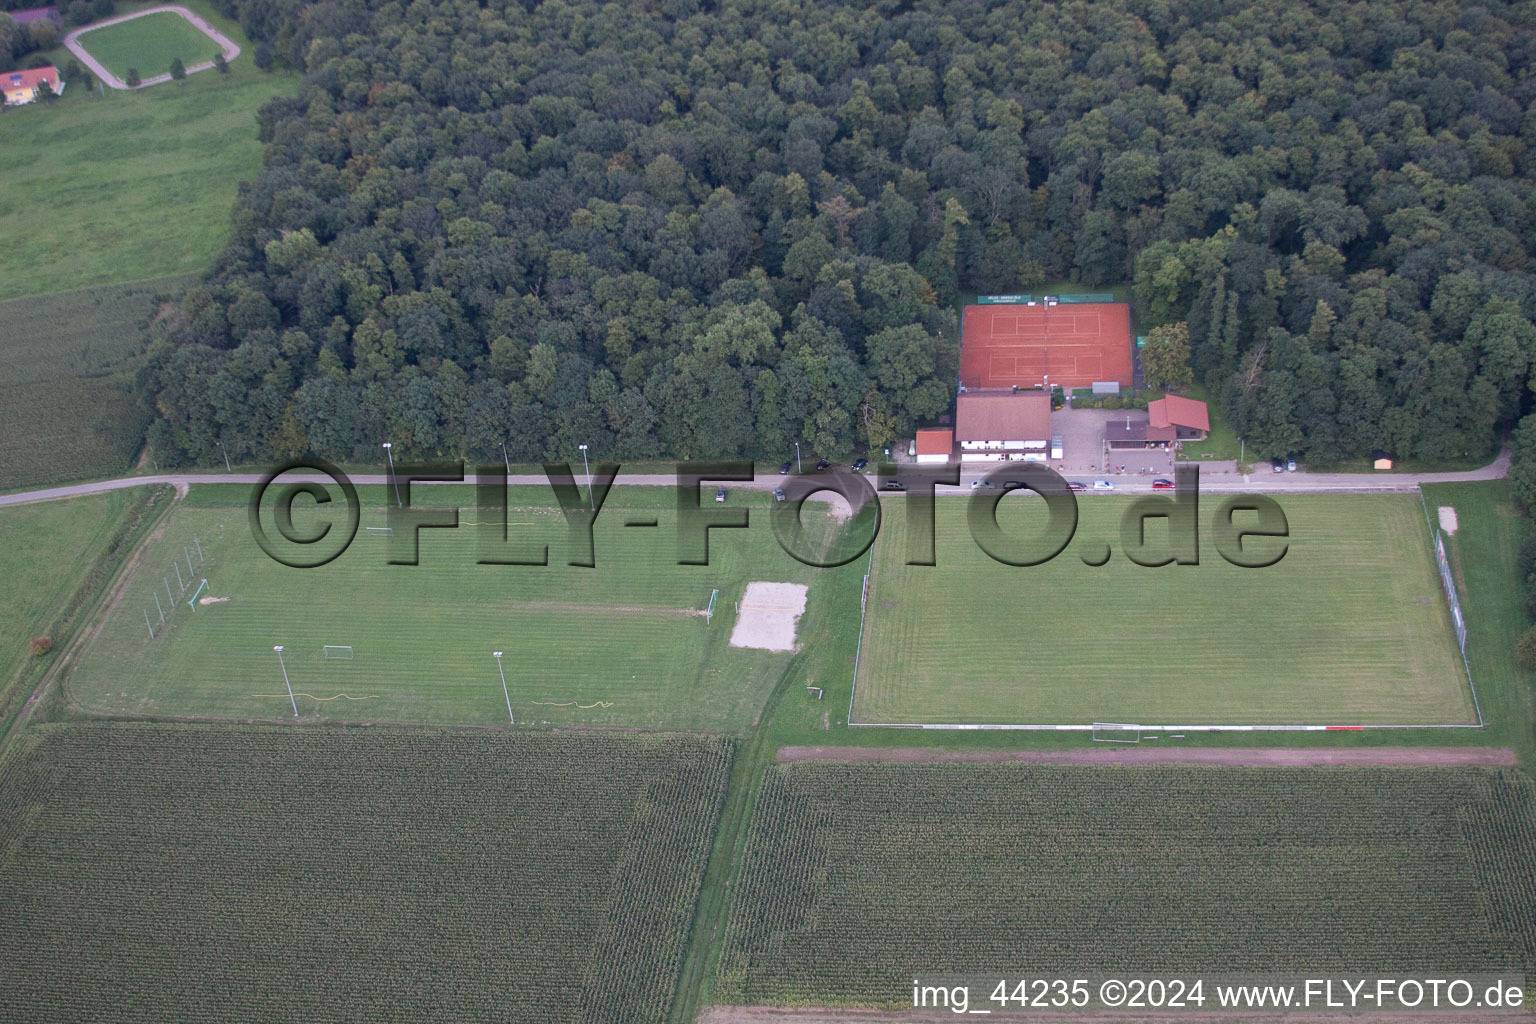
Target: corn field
x,y
858,878
162,873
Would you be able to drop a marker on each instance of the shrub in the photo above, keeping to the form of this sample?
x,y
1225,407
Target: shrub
x,y
1525,649
133,79
40,645
1111,402
220,64
178,69
262,58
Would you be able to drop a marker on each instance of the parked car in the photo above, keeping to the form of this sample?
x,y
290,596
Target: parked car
x,y
1077,485
859,464
822,464
982,483
1290,465
720,494
785,467
778,494
1162,485
1103,485
1009,485
893,485
1277,465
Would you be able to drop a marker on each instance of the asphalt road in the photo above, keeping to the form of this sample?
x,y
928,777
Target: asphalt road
x,y
1264,481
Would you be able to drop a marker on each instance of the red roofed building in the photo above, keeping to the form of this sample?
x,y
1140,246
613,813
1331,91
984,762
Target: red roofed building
x,y
21,86
934,445
1000,426
1177,412
1169,421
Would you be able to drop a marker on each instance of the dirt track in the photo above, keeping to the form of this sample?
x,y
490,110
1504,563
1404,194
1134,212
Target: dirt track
x,y
73,45
1427,757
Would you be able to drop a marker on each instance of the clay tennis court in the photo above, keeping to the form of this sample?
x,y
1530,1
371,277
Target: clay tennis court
x,y
1074,344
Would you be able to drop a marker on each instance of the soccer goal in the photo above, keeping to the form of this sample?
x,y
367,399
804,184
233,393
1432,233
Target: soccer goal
x,y
333,651
709,613
379,531
1113,732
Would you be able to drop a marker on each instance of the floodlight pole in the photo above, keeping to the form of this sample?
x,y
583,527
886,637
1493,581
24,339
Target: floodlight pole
x,y
588,466
389,450
798,467
505,459
225,453
291,700
504,692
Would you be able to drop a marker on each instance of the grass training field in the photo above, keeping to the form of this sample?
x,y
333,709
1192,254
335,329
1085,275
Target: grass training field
x,y
55,557
858,878
148,44
129,185
161,874
1351,626
624,643
67,411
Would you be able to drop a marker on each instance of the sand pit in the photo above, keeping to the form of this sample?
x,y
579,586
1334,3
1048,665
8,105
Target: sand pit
x,y
767,616
1448,519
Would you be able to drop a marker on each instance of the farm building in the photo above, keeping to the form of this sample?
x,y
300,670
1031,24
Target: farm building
x,y
1001,426
1045,344
934,445
21,86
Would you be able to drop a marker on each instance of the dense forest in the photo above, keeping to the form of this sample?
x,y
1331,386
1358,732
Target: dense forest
x,y
688,229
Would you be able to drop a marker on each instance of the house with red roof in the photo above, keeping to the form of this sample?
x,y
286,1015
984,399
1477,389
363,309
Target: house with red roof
x,y
20,87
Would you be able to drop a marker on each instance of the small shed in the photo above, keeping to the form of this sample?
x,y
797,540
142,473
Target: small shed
x,y
1381,460
934,446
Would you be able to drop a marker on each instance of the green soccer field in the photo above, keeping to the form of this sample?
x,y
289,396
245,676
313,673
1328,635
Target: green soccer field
x,y
148,44
624,644
1349,627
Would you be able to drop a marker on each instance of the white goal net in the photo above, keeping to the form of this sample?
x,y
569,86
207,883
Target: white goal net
x,y
333,651
1116,732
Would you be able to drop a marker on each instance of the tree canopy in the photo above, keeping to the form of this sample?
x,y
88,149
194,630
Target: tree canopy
x,y
686,229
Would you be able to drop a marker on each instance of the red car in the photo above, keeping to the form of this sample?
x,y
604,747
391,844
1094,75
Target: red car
x,y
1162,485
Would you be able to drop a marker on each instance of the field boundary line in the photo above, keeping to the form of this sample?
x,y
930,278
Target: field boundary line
x,y
1175,727
1300,757
1471,686
858,651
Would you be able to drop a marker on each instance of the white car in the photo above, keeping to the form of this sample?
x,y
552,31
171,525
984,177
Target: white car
x,y
1103,485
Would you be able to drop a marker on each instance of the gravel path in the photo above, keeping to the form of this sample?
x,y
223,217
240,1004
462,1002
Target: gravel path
x,y
1299,757
72,43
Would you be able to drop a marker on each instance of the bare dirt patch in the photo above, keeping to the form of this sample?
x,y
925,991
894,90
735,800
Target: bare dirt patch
x,y
768,615
1427,757
212,600
1448,520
